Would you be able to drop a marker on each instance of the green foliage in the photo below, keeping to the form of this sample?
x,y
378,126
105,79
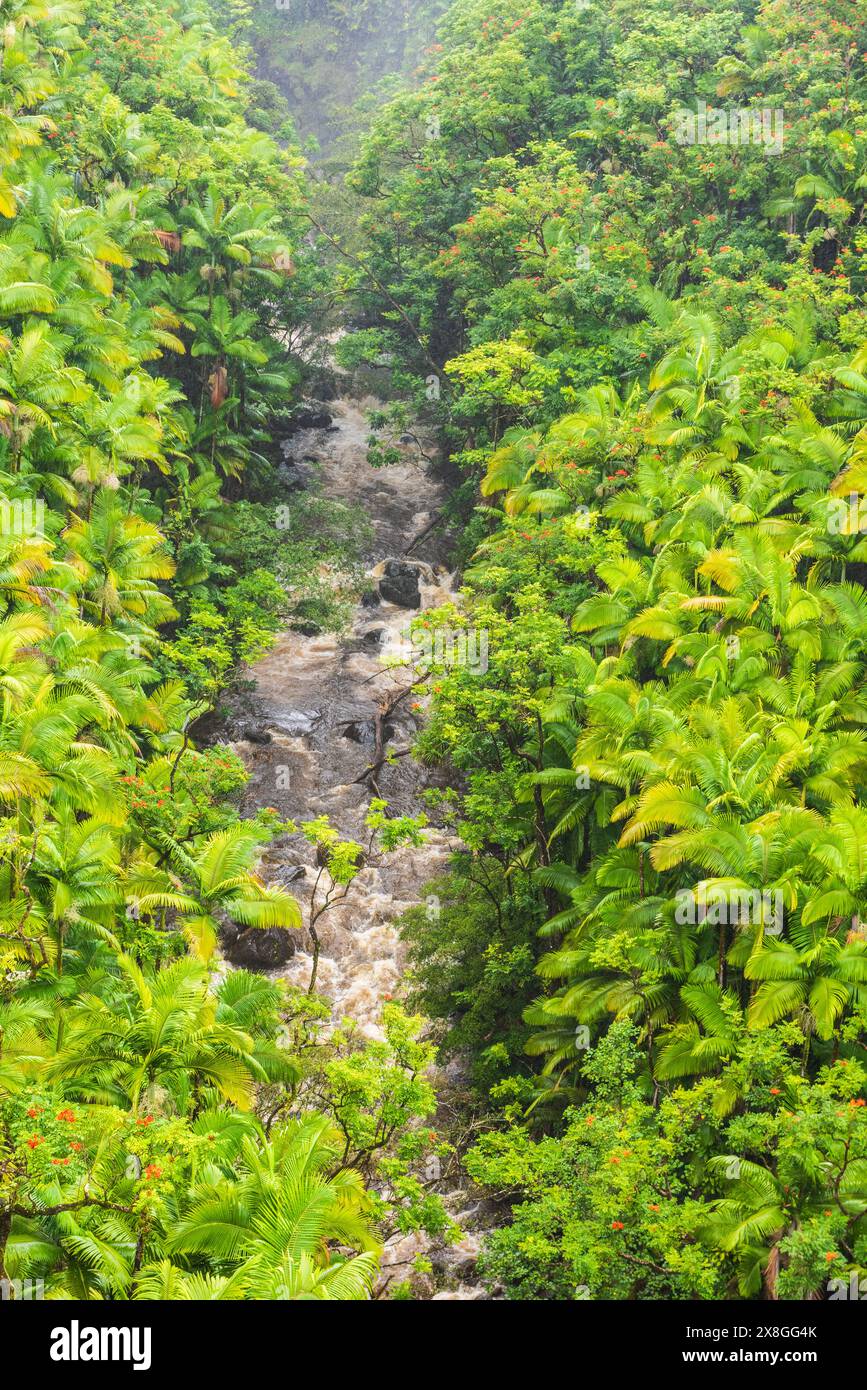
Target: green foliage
x,y
160,1137
650,355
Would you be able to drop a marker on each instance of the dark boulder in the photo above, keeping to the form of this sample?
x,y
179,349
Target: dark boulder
x,y
297,723
257,948
399,584
255,733
290,873
364,731
296,475
323,387
313,418
360,731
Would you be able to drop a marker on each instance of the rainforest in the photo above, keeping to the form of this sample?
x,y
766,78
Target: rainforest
x,y
433,653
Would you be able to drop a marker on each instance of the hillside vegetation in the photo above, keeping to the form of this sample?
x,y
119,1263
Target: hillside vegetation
x,y
614,256
627,242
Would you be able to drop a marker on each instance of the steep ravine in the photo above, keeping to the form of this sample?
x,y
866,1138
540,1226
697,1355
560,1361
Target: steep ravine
x,y
306,733
316,698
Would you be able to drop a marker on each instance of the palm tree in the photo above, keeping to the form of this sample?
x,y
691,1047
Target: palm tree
x,y
118,556
279,1222
166,1040
34,381
221,880
814,977
749,1222
231,237
75,875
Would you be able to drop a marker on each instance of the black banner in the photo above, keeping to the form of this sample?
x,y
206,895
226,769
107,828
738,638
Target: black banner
x,y
64,1339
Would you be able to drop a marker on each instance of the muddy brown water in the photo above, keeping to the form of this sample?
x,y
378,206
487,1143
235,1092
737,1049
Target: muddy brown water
x,y
317,698
311,692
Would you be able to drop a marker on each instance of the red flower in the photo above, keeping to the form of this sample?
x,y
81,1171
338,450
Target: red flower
x,y
617,1225
153,1171
67,1116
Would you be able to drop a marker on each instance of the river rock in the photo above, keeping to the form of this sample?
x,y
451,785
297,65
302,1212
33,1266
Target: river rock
x,y
399,584
458,1259
360,731
313,418
323,387
256,948
255,733
290,872
363,731
295,475
298,723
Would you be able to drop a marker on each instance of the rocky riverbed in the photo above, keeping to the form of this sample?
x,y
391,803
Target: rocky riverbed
x,y
307,732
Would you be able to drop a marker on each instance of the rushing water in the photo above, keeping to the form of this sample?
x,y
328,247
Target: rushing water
x,y
317,697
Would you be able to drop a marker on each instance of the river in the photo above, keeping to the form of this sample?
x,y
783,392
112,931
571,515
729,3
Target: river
x,y
315,701
317,698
